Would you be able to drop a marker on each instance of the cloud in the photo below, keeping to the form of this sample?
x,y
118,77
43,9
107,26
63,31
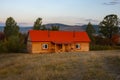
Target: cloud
x,y
112,2
86,21
20,24
91,20
24,24
64,20
71,20
80,23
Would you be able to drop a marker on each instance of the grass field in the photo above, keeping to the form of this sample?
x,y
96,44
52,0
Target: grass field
x,y
94,65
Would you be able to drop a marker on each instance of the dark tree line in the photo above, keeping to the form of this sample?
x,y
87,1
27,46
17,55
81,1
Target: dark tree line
x,y
108,28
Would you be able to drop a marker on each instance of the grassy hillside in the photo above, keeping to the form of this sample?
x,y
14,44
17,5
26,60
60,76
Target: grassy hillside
x,y
98,65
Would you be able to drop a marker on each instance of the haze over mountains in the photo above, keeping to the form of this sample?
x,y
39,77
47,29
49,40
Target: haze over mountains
x,y
61,26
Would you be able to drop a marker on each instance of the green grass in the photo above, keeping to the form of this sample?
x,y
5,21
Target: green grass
x,y
94,65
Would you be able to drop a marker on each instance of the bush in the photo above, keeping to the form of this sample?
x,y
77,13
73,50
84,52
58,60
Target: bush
x,y
3,47
117,47
14,44
106,47
99,40
99,47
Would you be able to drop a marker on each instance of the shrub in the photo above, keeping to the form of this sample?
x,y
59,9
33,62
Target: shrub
x,y
102,41
99,47
117,47
3,47
14,44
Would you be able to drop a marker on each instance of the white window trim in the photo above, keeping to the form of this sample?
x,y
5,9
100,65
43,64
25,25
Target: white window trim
x,y
43,46
78,46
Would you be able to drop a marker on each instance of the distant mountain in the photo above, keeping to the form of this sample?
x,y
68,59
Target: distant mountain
x,y
2,24
22,29
25,29
1,28
65,27
71,27
62,27
57,24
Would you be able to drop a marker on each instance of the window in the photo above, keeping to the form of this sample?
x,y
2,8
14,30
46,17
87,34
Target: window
x,y
45,46
77,46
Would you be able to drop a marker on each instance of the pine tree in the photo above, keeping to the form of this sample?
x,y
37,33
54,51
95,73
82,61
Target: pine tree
x,y
38,25
54,28
11,28
90,30
43,27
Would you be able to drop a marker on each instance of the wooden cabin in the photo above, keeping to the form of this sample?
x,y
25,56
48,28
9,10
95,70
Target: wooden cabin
x,y
57,41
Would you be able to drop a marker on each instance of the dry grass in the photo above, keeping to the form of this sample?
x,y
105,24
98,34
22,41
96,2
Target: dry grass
x,y
94,65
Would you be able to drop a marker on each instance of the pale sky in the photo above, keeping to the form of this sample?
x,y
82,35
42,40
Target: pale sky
x,y
72,12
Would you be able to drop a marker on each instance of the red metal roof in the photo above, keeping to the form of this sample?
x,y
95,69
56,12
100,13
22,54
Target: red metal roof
x,y
58,36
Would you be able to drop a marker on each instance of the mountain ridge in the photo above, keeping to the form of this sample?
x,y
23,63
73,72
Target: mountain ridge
x,y
64,27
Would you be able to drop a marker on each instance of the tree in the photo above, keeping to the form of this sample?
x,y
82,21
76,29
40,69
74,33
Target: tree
x,y
3,47
109,26
11,28
90,30
13,41
54,28
2,36
38,25
14,44
43,27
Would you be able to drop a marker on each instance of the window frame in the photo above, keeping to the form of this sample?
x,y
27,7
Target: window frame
x,y
77,46
44,46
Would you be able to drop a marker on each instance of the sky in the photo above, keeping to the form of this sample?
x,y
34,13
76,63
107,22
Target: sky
x,y
71,12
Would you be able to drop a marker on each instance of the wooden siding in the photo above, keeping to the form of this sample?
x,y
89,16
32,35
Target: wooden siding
x,y
36,47
29,45
83,46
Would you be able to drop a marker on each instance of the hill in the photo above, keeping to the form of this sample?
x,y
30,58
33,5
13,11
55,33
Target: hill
x,y
65,27
71,27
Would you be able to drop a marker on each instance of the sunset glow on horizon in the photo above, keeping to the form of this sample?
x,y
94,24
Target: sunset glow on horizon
x,y
71,12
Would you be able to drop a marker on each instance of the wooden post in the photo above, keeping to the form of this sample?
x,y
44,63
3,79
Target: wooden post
x,y
63,47
55,48
68,47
